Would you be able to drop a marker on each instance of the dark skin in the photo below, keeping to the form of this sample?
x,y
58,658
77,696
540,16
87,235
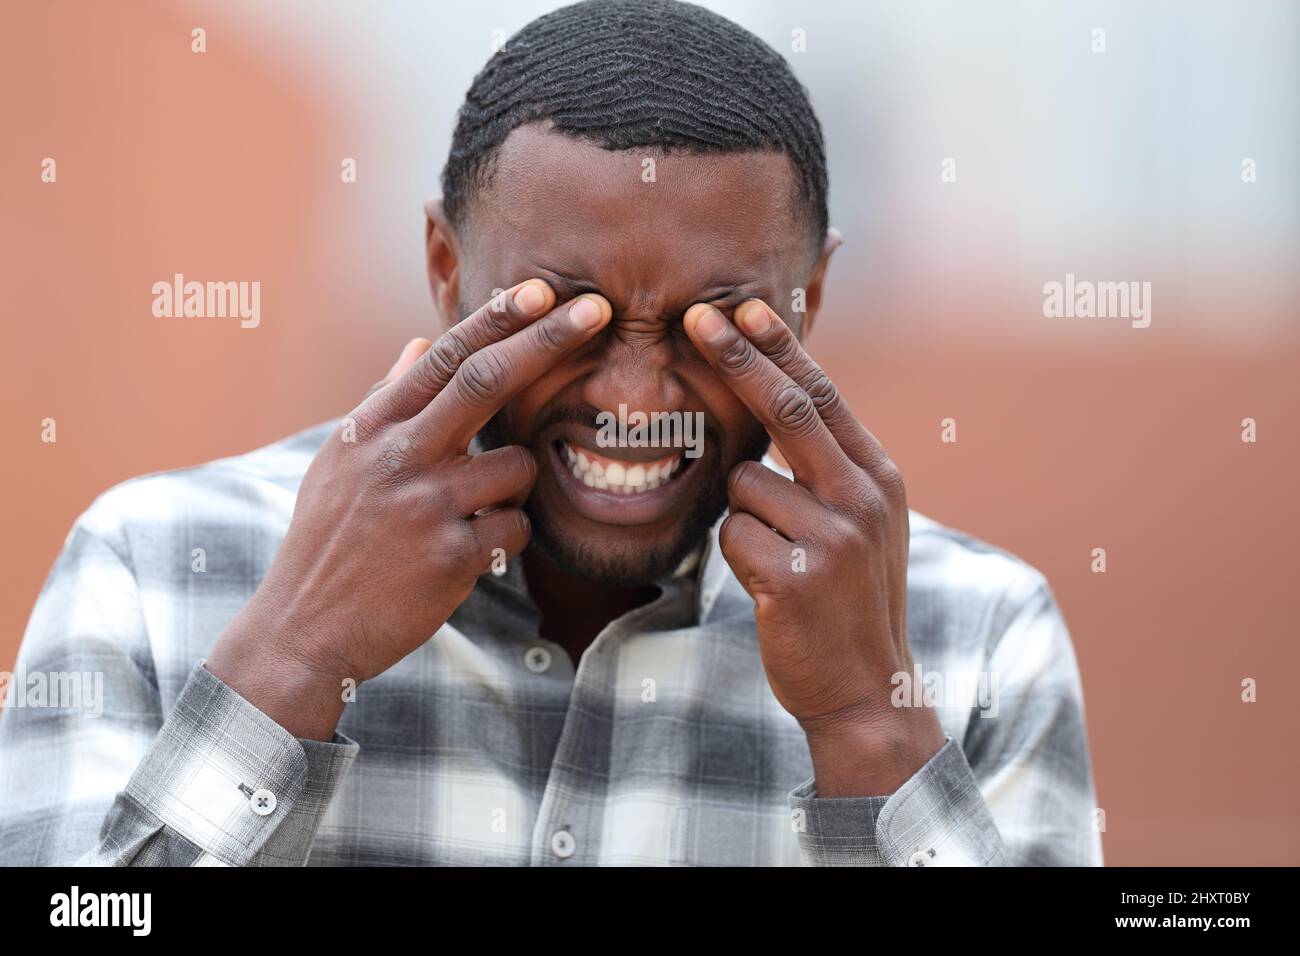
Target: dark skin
x,y
719,228
573,613
688,284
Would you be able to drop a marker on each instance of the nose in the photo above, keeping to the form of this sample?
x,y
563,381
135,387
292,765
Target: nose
x,y
635,367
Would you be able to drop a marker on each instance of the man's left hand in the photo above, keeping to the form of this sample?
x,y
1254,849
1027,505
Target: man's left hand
x,y
823,556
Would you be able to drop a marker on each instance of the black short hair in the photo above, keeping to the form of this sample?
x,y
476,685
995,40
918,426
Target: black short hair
x,y
650,73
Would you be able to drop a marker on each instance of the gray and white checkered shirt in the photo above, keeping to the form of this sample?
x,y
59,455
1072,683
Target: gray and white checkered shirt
x,y
487,745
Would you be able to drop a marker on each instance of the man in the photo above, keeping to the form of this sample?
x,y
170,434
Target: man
x,y
464,625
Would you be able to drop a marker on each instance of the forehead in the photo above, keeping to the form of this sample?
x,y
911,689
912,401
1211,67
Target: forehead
x,y
639,217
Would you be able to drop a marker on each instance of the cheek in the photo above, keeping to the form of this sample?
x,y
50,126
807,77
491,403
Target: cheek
x,y
528,408
729,414
521,413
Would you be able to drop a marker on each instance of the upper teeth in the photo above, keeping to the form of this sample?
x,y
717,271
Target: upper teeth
x,y
621,478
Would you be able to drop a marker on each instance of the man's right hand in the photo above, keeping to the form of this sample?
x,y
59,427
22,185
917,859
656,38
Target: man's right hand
x,y
395,520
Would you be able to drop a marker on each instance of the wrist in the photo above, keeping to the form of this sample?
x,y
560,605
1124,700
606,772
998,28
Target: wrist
x,y
871,756
304,697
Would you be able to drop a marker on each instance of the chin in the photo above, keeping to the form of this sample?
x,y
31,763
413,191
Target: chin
x,y
617,555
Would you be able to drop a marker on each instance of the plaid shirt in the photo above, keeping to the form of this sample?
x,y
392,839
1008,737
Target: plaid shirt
x,y
487,745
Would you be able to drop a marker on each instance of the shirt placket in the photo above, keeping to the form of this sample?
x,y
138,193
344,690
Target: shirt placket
x,y
568,830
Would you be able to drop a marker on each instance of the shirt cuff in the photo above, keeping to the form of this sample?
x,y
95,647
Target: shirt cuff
x,y
937,818
234,786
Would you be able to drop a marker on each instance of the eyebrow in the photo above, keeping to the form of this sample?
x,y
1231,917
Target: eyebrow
x,y
564,283
567,286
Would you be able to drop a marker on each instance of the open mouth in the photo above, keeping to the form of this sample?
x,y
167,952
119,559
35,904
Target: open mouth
x,y
621,476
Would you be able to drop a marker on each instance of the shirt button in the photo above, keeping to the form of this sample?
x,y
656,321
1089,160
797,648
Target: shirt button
x,y
920,859
563,844
262,802
537,660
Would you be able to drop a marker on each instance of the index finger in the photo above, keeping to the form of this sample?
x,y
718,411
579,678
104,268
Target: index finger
x,y
492,376
776,400
774,338
498,319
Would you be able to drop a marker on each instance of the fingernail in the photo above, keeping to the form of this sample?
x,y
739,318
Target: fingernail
x,y
586,314
529,299
710,325
754,317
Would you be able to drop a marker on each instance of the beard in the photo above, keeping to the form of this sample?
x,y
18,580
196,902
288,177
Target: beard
x,y
635,563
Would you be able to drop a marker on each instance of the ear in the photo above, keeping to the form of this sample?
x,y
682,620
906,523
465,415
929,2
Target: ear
x,y
813,293
442,257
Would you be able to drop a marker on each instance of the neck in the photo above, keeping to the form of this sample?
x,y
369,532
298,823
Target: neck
x,y
574,610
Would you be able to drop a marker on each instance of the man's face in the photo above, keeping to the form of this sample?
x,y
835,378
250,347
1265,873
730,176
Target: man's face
x,y
713,228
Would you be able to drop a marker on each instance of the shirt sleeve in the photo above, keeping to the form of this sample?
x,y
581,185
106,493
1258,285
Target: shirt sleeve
x,y
1016,790
103,776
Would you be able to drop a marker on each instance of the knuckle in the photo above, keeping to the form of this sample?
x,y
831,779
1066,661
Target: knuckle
x,y
441,361
738,356
460,546
767,603
393,456
414,498
842,535
482,376
550,336
823,392
872,511
784,350
364,423
793,410
890,480
498,323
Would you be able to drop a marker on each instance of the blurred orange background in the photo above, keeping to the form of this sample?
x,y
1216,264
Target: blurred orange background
x,y
1073,434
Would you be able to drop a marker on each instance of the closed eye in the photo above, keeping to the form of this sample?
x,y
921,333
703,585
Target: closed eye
x,y
726,299
723,296
566,287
